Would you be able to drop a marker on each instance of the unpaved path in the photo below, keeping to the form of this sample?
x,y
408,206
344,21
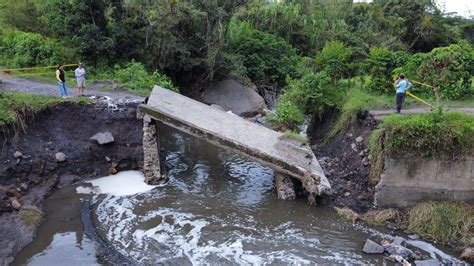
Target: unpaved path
x,y
30,86
381,113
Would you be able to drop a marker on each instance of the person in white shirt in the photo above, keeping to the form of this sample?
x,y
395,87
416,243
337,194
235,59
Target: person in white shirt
x,y
81,79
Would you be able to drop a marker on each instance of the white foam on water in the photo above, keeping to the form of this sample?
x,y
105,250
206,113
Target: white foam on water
x,y
167,234
121,184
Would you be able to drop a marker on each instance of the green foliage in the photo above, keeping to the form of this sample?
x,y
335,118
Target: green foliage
x,y
433,135
380,65
135,78
357,99
443,221
288,114
449,68
334,59
24,49
268,59
313,94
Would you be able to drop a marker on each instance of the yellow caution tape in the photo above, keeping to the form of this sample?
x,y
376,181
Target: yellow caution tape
x,y
423,84
30,68
34,74
417,98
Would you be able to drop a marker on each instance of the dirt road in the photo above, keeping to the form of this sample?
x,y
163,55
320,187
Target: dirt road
x,y
381,113
25,85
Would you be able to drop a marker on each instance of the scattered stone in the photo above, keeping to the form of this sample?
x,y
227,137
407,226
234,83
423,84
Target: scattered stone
x,y
347,194
359,139
413,237
354,147
15,203
394,249
371,247
107,158
365,161
369,157
400,241
431,262
60,157
17,154
24,186
391,226
361,154
399,259
103,138
468,255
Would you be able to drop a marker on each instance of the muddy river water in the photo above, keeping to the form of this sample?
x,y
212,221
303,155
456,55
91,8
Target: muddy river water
x,y
218,208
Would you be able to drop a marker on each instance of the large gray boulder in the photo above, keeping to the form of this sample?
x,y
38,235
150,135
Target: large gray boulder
x,y
233,96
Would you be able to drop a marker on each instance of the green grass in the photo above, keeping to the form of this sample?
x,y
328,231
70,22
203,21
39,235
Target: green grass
x,y
30,216
431,135
357,100
15,106
296,136
443,221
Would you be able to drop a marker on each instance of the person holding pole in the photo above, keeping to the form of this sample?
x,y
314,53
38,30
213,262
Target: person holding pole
x,y
80,73
402,86
60,76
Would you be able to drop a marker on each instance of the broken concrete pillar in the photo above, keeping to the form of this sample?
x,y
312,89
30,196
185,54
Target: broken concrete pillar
x,y
153,167
284,187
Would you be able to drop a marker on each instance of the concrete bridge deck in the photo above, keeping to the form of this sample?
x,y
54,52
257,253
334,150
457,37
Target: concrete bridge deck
x,y
266,146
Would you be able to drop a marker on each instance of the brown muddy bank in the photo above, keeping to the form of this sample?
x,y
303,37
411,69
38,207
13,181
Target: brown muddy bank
x,y
30,177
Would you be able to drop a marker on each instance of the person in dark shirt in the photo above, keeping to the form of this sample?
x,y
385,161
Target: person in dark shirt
x,y
60,76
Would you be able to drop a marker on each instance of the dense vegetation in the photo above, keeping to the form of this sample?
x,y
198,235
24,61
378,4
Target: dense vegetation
x,y
307,54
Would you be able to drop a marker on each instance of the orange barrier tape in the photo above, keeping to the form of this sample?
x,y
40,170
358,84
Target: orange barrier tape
x,y
417,98
34,74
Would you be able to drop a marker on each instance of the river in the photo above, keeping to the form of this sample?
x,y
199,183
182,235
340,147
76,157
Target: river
x,y
218,208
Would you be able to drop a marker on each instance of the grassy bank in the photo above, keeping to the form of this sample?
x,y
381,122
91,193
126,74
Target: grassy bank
x,y
431,135
15,106
443,221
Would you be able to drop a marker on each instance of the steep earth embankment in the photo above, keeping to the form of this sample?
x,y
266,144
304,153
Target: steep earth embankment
x,y
31,167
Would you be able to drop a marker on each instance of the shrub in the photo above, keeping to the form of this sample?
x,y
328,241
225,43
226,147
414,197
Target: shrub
x,y
449,68
432,135
25,49
288,114
379,65
313,94
267,58
334,59
134,77
443,221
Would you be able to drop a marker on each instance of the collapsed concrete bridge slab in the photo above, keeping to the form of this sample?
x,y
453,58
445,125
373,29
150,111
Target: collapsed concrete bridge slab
x,y
262,144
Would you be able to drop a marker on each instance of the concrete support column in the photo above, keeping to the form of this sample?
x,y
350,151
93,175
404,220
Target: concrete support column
x,y
153,166
284,187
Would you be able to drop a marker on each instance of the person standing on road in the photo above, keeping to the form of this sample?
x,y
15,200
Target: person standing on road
x,y
60,76
80,73
402,86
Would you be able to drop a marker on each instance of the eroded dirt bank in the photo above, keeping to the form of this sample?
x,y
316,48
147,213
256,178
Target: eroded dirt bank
x,y
345,161
31,170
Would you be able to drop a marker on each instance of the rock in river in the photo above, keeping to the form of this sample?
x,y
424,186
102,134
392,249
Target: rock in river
x,y
371,247
103,138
